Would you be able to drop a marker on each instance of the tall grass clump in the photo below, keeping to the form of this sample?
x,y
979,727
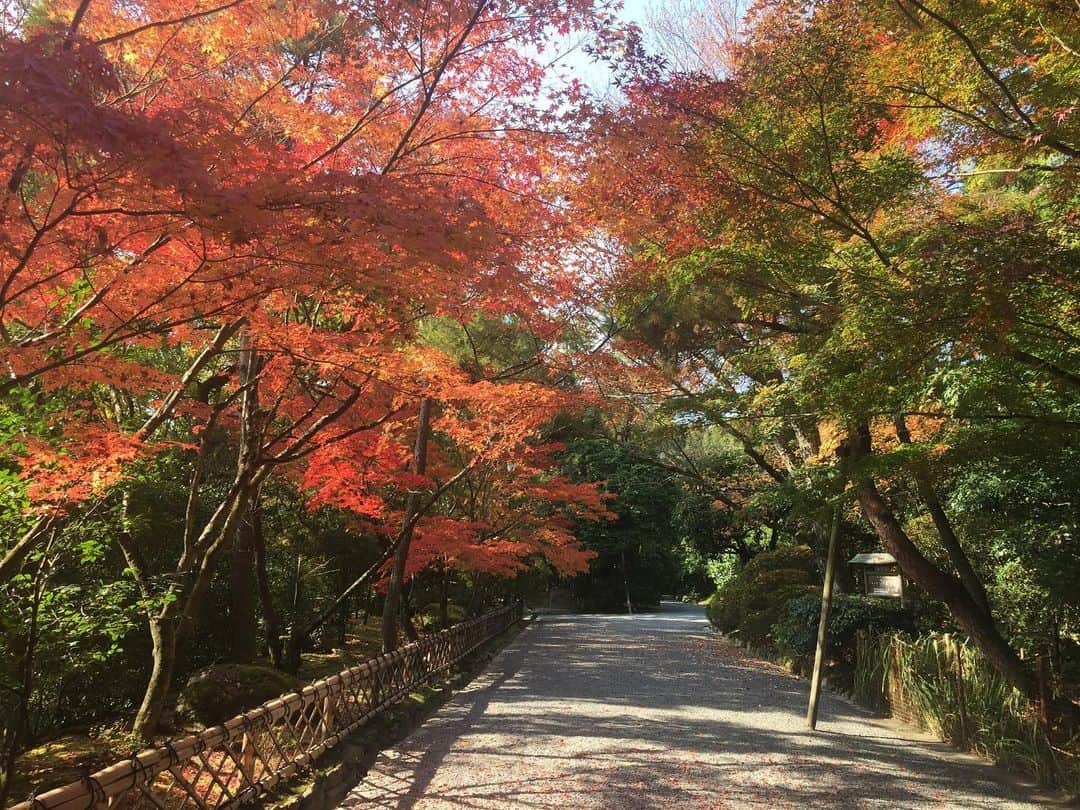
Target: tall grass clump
x,y
944,684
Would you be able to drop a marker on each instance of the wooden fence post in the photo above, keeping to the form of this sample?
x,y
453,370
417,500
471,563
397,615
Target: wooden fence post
x,y
247,754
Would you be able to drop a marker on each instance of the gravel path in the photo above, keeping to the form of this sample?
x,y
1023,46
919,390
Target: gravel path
x,y
653,711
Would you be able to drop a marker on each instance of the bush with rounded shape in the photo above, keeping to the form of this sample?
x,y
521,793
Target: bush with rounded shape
x,y
723,609
799,557
755,626
761,592
755,598
215,694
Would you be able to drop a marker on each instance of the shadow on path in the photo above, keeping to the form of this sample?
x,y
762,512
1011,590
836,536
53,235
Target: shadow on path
x,y
653,711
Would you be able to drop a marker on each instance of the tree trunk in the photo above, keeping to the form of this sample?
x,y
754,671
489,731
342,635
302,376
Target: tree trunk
x,y
341,626
401,553
407,614
946,588
13,559
961,563
476,598
243,625
162,624
367,607
294,644
444,599
626,582
1055,641
937,583
270,622
199,562
200,575
18,730
242,622
172,630
298,636
163,638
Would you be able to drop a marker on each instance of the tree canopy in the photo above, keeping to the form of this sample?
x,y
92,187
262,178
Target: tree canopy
x,y
315,310
859,261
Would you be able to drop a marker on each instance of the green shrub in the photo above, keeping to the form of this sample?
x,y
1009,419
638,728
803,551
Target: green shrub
x,y
755,625
723,610
798,557
755,598
795,633
761,592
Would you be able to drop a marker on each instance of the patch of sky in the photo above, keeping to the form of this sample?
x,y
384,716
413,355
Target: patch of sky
x,y
572,57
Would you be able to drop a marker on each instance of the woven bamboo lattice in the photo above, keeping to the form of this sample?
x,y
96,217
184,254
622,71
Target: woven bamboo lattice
x,y
247,756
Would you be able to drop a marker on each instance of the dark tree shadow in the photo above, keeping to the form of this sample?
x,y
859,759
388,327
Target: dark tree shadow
x,y
652,711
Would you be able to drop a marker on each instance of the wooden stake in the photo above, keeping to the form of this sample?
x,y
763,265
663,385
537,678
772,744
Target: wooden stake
x,y
823,621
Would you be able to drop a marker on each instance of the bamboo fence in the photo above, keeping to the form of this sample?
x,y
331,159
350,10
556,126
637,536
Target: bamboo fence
x,y
249,755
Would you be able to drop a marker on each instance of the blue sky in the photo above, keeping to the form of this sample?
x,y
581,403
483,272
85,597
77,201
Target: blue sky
x,y
581,66
634,10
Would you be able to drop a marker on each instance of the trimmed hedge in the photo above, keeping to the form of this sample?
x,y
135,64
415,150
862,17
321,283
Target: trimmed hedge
x,y
751,603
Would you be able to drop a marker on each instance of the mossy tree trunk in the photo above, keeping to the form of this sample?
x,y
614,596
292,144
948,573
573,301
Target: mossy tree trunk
x,y
243,624
401,554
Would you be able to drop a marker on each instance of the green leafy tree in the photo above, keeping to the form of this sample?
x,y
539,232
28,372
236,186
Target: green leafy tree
x,y
634,562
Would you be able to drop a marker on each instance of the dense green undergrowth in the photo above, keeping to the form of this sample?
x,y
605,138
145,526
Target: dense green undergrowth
x,y
945,685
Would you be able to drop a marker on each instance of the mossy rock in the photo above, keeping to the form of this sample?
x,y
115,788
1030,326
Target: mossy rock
x,y
215,694
428,617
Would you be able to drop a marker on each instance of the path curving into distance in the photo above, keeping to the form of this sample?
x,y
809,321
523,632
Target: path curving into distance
x,y
655,711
